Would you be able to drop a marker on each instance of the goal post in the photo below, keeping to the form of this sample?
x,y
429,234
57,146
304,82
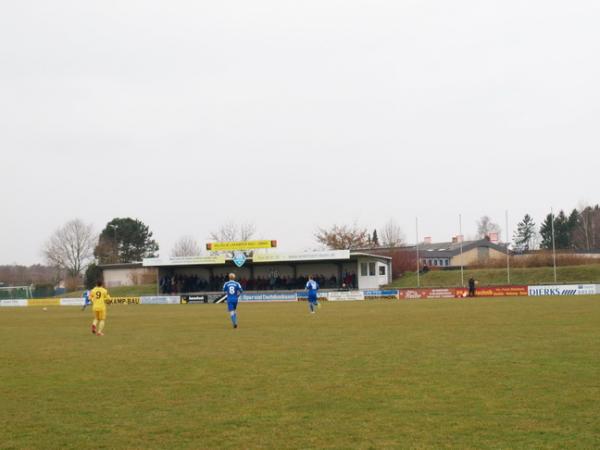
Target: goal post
x,y
15,292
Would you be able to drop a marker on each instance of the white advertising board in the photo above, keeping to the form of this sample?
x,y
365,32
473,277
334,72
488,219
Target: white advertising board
x,y
160,300
19,302
345,296
183,261
566,289
71,302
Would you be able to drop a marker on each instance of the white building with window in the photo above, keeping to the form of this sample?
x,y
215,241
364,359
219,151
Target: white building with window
x,y
365,270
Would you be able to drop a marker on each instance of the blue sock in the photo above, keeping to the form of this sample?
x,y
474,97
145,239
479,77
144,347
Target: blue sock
x,y
233,316
312,306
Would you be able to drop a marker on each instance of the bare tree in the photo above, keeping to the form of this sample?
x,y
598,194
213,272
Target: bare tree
x,y
391,234
186,246
231,231
343,237
71,247
247,231
485,226
586,232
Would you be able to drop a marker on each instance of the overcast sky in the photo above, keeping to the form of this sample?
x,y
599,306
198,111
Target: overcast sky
x,y
294,115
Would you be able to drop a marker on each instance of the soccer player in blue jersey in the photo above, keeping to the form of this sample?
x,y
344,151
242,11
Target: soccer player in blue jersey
x,y
312,287
86,299
233,289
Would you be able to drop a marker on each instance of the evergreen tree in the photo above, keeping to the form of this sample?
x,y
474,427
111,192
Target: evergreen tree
x,y
375,239
525,233
546,232
563,230
125,240
93,273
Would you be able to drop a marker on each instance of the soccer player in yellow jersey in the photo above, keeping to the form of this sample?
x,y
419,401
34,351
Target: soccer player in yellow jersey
x,y
98,296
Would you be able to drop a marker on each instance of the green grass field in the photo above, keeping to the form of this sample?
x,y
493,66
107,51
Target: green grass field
x,y
481,373
487,277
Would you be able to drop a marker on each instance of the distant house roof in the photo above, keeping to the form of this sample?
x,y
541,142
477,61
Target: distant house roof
x,y
451,249
442,249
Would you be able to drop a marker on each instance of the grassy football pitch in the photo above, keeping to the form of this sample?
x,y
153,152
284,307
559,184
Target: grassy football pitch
x,y
482,373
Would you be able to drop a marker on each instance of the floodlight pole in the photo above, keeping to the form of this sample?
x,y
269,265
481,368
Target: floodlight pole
x,y
507,251
462,263
553,243
418,263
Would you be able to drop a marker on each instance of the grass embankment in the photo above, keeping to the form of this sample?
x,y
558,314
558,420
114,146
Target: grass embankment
x,y
486,277
120,291
483,373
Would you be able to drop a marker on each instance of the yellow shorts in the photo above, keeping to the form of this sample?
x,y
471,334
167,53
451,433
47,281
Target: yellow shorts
x,y
100,315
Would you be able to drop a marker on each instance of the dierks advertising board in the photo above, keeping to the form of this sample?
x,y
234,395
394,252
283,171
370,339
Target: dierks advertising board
x,y
567,289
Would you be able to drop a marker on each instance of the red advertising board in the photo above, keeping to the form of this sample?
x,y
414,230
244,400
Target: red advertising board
x,y
502,291
488,291
427,293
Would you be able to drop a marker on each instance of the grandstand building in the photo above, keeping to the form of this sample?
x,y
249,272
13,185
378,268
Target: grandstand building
x,y
259,271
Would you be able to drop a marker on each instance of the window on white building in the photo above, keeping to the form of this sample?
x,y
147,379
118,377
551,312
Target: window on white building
x,y
381,270
371,269
363,269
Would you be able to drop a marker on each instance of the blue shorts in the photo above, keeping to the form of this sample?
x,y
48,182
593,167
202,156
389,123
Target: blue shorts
x,y
231,306
312,299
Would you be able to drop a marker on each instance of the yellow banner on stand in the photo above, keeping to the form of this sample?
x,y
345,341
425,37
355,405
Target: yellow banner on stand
x,y
239,245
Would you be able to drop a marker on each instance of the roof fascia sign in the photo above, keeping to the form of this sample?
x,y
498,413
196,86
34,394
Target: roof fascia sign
x,y
305,256
183,261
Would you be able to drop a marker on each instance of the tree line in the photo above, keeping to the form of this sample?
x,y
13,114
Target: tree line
x,y
75,249
579,230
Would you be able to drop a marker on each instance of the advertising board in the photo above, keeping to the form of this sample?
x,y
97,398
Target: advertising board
x,y
565,289
489,291
19,302
303,256
183,261
345,296
71,302
123,301
427,293
194,299
44,302
274,297
385,293
502,291
160,300
494,291
240,245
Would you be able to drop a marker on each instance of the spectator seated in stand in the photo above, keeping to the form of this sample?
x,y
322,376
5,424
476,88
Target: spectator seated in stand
x,y
184,283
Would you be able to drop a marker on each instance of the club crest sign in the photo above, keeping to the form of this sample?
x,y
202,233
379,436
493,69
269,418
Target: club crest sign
x,y
239,258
